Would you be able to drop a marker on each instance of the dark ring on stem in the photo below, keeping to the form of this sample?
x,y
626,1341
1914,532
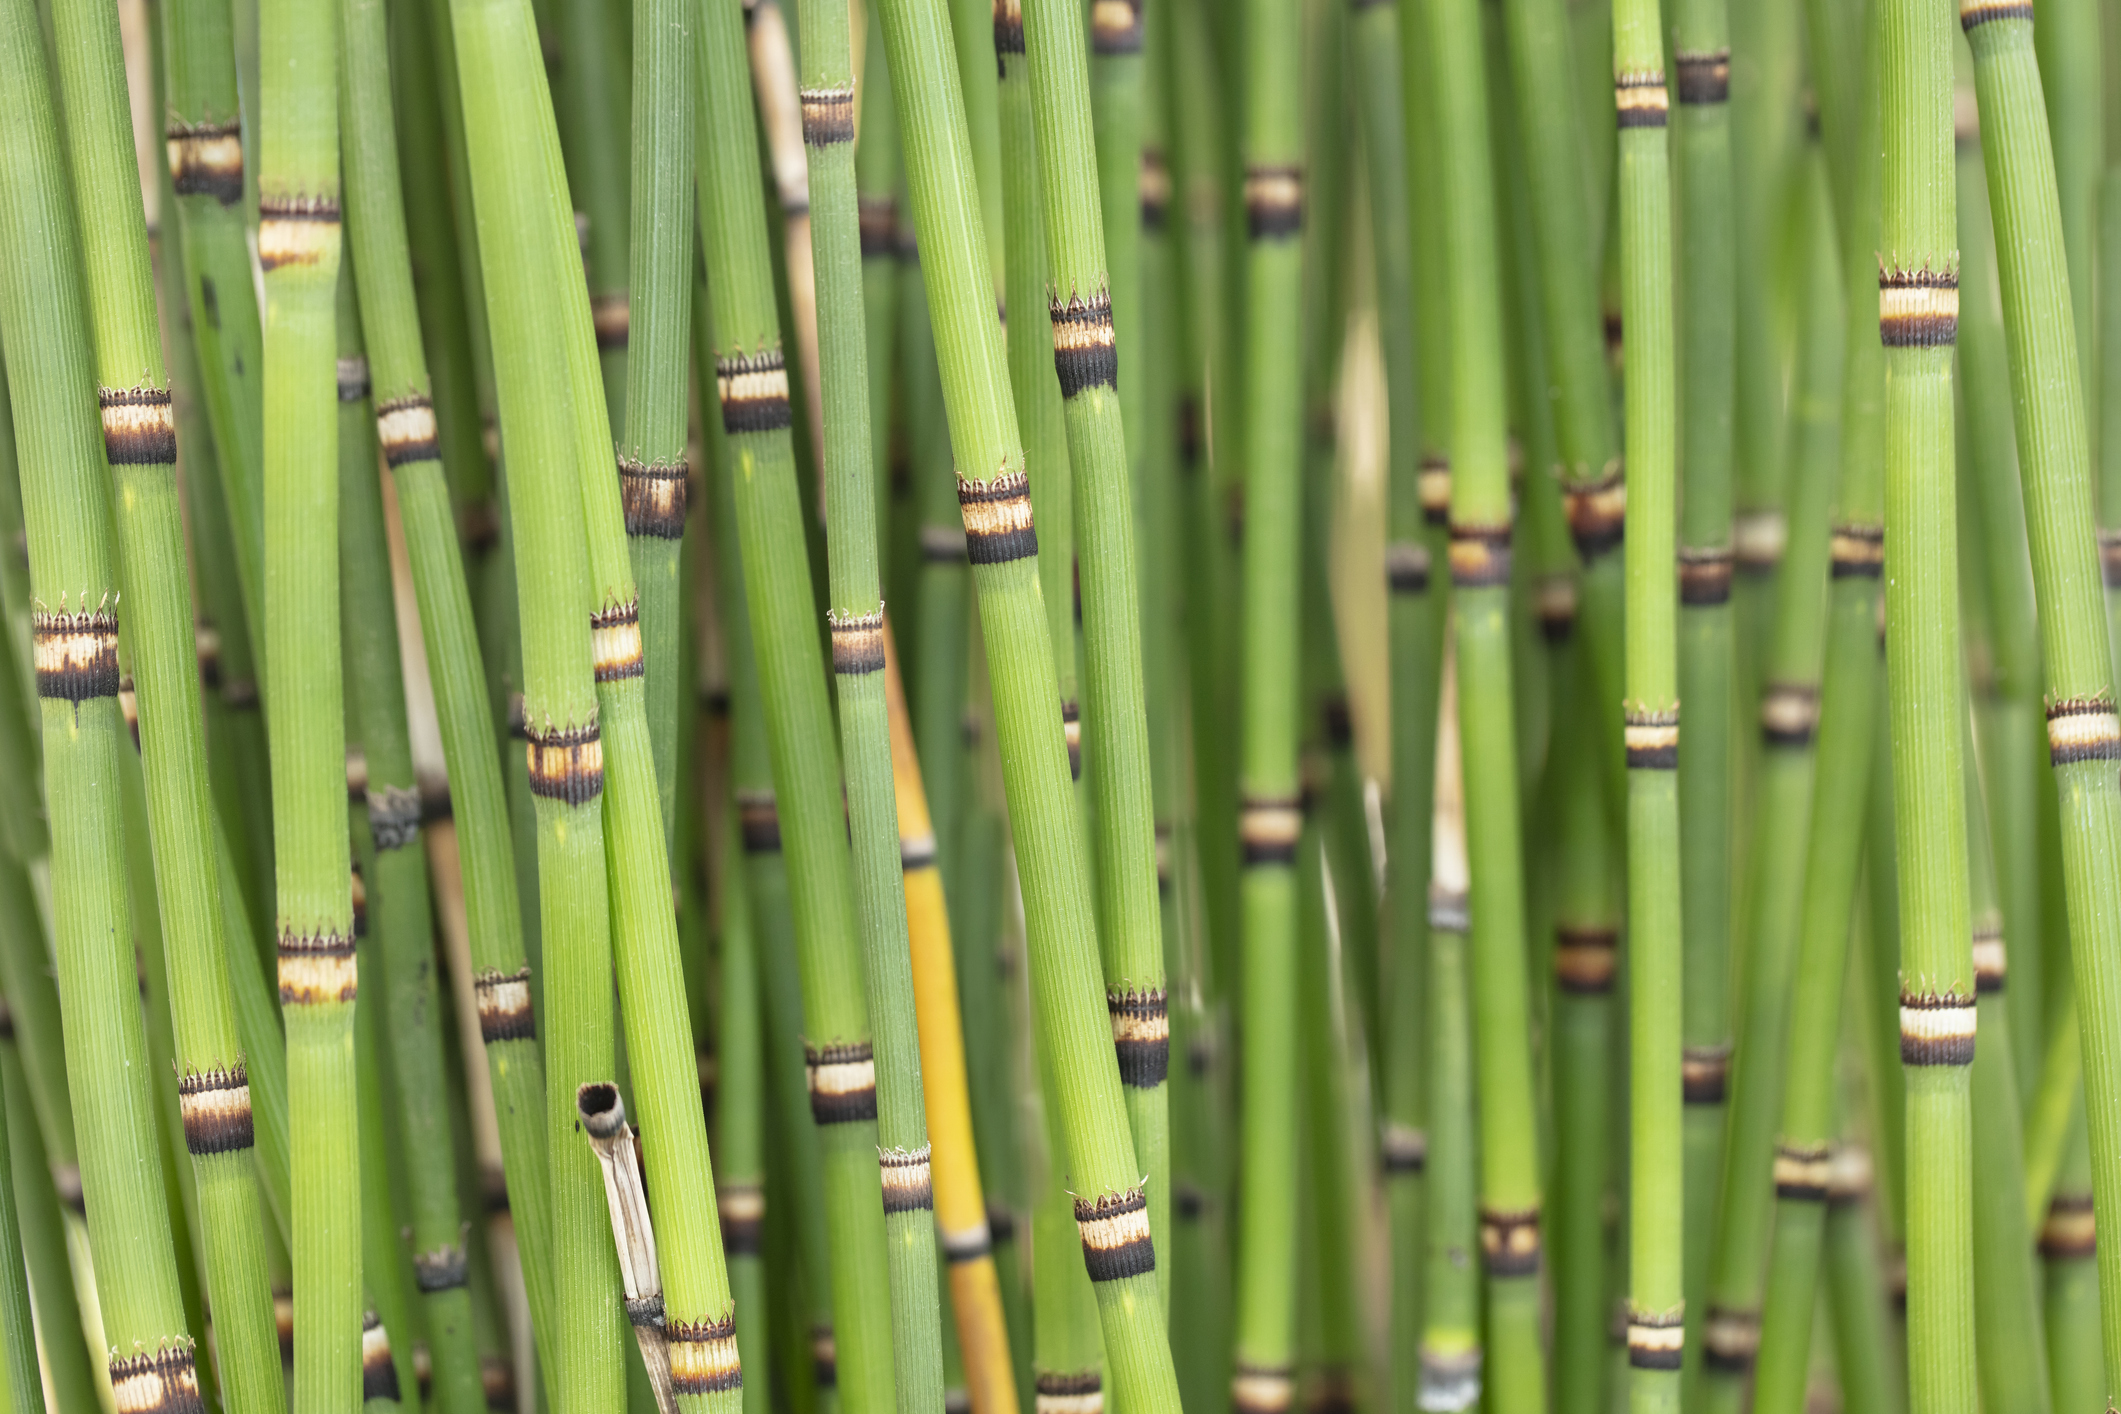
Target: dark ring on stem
x,y
406,430
1936,1028
1509,1240
1072,734
1274,201
703,1356
1991,962
1403,1149
393,817
1789,714
753,391
842,1082
1857,550
1261,1389
916,853
1598,513
1433,485
1141,1036
1640,100
1406,567
352,373
1804,1173
1704,78
566,763
2110,557
758,821
1656,1339
316,968
1757,539
1730,1340
877,219
1115,27
1152,188
967,1246
997,518
444,1269
1584,959
296,230
1114,1229
1918,309
1268,828
2071,1230
138,426
1480,556
615,642
2083,729
828,116
76,655
824,1358
857,642
1981,12
1068,1392
163,1382
741,1208
908,1187
215,1105
206,159
611,319
1084,353
505,1010
1705,576
1652,740
379,1373
1704,1074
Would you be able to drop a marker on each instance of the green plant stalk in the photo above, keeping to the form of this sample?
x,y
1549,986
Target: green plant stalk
x,y
44,319
766,883
2008,1331
513,169
1879,969
1591,473
2070,57
139,436
856,621
414,437
453,339
1480,530
755,414
204,142
299,247
1034,383
1918,306
1656,1170
2008,710
740,1126
1451,1355
1067,1360
25,1390
1060,923
657,359
1116,124
1705,182
592,111
43,1226
1332,1065
398,902
1270,817
387,1325
2082,730
876,180
1114,729
1865,1344
1766,147
2067,1245
1789,815
1586,938
1803,1163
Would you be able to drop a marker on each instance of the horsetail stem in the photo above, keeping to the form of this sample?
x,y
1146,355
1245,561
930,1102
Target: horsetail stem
x,y
859,663
513,166
1480,564
412,439
203,139
140,446
1000,542
1115,735
1918,302
2050,418
44,320
960,1206
591,109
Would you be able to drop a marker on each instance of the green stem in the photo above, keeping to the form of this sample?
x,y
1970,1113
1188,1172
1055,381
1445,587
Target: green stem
x,y
74,588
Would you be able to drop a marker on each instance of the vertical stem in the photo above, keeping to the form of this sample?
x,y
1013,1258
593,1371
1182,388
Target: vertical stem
x,y
74,588
1918,316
